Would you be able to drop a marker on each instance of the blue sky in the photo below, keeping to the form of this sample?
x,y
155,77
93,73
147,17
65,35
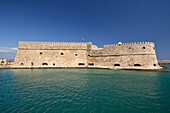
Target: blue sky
x,y
98,21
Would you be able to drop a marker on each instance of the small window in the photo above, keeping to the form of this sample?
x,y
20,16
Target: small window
x,y
22,64
53,64
62,53
40,53
91,64
143,47
137,65
75,54
88,55
32,63
130,48
44,63
2,62
154,64
80,64
116,64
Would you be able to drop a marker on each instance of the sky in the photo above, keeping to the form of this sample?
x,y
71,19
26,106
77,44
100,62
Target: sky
x,y
99,21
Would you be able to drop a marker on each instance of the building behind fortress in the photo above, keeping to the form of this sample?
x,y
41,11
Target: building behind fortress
x,y
86,55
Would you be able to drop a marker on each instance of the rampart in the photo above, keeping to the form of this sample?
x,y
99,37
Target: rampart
x,y
52,45
52,54
136,48
137,55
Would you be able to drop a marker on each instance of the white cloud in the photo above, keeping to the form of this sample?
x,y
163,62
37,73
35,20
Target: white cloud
x,y
8,50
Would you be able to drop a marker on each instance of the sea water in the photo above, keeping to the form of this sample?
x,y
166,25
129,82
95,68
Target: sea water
x,y
84,91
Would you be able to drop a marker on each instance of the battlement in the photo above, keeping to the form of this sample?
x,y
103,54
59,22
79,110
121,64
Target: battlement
x,y
28,45
132,43
55,42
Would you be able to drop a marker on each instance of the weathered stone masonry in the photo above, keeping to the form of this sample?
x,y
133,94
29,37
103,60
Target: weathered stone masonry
x,y
61,54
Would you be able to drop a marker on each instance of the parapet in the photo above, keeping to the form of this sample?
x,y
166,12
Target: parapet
x,y
52,45
128,44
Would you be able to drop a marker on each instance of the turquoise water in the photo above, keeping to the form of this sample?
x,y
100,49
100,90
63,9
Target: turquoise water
x,y
84,91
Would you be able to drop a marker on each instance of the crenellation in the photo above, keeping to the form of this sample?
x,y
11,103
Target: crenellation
x,y
53,45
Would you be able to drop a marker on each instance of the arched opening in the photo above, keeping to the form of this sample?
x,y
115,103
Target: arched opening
x,y
91,64
62,53
130,48
80,64
40,53
2,62
143,47
75,54
53,64
21,63
116,64
154,64
44,63
138,65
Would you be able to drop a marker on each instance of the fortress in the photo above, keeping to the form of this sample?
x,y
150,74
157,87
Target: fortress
x,y
140,55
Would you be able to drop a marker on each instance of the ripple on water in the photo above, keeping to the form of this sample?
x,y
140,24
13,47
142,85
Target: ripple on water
x,y
84,90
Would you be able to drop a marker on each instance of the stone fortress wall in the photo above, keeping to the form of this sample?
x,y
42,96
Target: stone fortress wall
x,y
51,54
140,55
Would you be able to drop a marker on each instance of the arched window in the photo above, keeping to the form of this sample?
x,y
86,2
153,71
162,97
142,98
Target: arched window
x,y
91,64
44,63
138,65
40,53
143,47
154,64
62,53
53,64
75,54
116,64
2,62
21,63
80,64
